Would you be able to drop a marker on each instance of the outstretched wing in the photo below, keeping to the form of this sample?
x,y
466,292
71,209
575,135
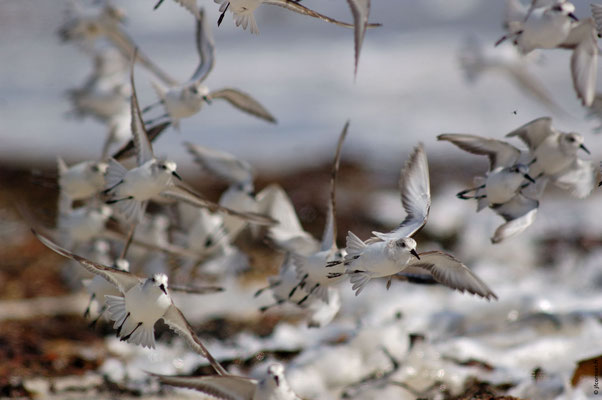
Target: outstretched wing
x,y
534,132
144,150
298,8
501,154
519,214
450,272
360,9
243,102
121,279
206,49
129,149
580,179
189,196
221,387
329,237
178,323
414,185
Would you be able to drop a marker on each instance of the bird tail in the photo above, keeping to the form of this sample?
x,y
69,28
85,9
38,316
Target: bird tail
x,y
115,174
129,329
358,281
355,245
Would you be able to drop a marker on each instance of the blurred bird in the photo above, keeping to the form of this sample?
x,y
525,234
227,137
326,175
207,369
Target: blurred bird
x,y
555,26
185,100
190,5
387,254
82,180
144,302
555,156
231,387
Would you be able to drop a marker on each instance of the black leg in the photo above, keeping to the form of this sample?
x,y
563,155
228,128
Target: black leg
x,y
121,326
87,312
126,337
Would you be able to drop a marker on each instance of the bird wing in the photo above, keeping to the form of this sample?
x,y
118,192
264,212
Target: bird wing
x,y
123,280
414,185
514,15
519,214
597,14
128,149
144,150
584,61
191,6
206,49
225,165
500,153
329,236
288,233
298,8
243,102
222,387
450,272
178,323
190,196
360,9
200,290
579,179
534,132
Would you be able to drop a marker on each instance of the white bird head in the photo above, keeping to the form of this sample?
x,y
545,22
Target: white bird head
x,y
197,92
99,168
105,211
564,8
571,142
405,245
158,280
167,167
122,264
275,374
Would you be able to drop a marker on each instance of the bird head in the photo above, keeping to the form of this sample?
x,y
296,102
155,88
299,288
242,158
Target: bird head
x,y
168,167
200,92
564,8
522,169
407,245
276,373
160,281
571,142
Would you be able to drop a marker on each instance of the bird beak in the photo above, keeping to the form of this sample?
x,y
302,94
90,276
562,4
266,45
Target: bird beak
x,y
176,175
533,161
415,253
277,379
582,147
207,99
162,287
528,177
573,17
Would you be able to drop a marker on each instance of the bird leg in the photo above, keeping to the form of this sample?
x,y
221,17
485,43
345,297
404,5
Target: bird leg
x,y
153,105
308,294
334,275
265,308
113,201
389,282
153,121
87,312
93,323
126,337
128,242
463,194
273,285
298,285
154,8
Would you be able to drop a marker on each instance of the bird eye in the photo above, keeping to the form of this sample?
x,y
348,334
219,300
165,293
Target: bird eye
x,y
557,8
163,167
571,139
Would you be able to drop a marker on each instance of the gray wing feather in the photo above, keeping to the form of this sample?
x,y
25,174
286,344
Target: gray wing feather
x,y
123,280
360,9
243,102
222,387
206,49
450,272
144,150
501,154
224,165
534,132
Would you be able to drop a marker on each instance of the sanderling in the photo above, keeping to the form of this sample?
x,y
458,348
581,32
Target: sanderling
x,y
272,387
82,180
555,156
555,26
144,302
185,100
506,176
387,254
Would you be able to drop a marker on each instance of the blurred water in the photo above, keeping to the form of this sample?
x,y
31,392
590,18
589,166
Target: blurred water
x,y
409,86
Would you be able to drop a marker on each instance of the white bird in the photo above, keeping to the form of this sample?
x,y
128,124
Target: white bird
x,y
242,12
555,155
555,26
503,188
144,302
273,386
185,100
477,60
387,254
312,270
82,224
131,189
506,175
82,180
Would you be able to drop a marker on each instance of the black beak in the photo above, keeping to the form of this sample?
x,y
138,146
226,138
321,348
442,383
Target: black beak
x,y
528,177
414,253
162,287
176,175
277,380
533,161
582,147
207,99
221,17
573,17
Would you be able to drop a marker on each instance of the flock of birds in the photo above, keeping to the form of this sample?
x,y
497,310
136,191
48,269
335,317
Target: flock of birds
x,y
185,225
